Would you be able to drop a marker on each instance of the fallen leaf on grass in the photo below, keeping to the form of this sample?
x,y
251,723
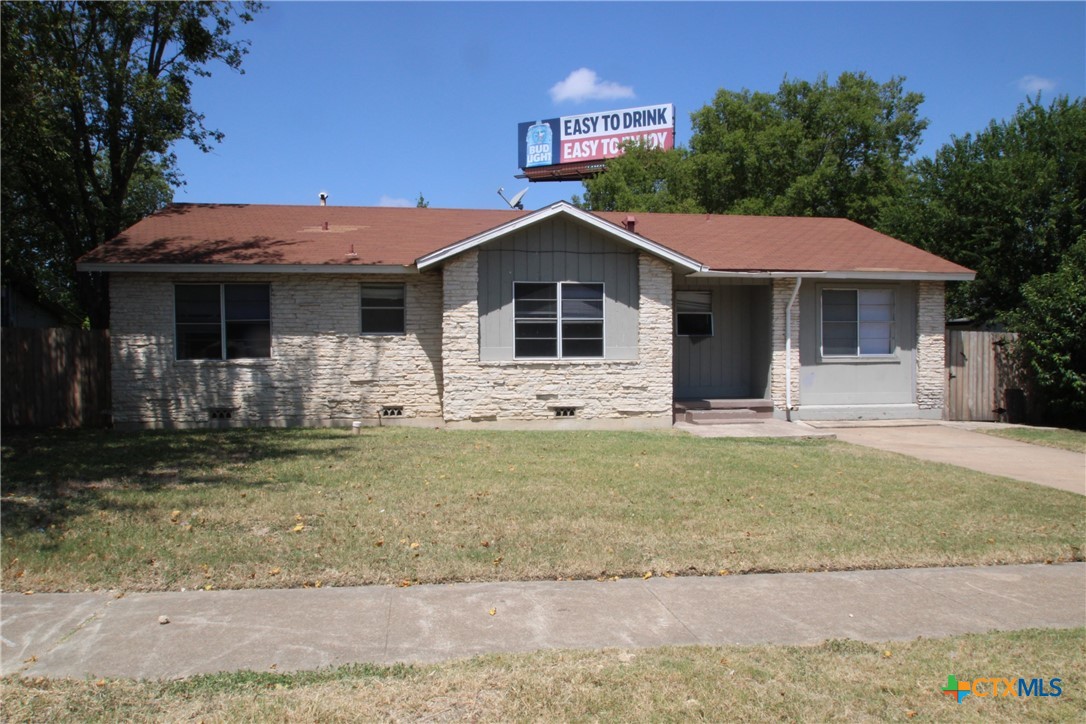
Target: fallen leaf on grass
x,y
275,571
647,576
298,528
175,516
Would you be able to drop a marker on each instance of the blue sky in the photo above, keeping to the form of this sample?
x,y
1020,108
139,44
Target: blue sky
x,y
377,102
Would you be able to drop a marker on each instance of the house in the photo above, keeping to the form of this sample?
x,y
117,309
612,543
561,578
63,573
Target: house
x,y
323,315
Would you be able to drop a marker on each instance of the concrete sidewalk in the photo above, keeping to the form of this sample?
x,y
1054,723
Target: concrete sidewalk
x,y
956,444
99,634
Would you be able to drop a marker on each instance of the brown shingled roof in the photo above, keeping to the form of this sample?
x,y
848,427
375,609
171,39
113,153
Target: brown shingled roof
x,y
261,234
783,243
323,235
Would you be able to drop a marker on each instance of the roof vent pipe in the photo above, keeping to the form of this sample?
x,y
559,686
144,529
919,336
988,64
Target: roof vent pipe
x,y
324,198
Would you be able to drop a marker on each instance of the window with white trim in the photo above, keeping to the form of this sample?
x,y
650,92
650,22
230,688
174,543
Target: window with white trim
x,y
222,321
694,313
557,319
857,322
383,309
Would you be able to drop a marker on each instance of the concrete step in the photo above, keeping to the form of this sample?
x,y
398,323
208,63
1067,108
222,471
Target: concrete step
x,y
720,416
724,404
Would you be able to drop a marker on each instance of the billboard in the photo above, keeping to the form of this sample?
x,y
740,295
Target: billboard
x,y
594,136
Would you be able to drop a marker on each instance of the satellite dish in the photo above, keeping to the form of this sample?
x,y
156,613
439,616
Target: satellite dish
x,y
516,202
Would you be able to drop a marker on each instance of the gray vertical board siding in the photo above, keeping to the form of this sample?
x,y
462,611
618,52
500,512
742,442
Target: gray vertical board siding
x,y
557,250
761,340
734,362
857,380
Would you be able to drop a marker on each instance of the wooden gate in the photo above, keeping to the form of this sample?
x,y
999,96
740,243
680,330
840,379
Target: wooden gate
x,y
983,380
55,377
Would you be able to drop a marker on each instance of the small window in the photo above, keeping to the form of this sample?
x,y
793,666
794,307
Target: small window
x,y
558,319
222,321
694,313
383,309
857,322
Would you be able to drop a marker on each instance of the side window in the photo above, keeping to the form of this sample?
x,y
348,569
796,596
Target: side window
x,y
383,307
222,321
857,322
694,313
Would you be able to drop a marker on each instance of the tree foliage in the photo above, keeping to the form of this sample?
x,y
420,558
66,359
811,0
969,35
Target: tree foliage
x,y
95,95
810,149
1008,202
1051,326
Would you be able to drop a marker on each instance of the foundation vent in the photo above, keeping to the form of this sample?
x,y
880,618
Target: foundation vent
x,y
392,411
220,413
565,412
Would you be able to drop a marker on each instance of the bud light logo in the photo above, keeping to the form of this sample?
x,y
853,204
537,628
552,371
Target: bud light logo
x,y
540,145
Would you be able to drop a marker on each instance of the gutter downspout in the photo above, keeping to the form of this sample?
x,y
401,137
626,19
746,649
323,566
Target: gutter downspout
x,y
788,351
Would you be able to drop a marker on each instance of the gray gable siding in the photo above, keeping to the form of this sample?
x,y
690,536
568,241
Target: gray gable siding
x,y
557,250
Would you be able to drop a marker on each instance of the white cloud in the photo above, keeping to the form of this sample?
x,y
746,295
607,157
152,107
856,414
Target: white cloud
x,y
583,84
387,200
1034,84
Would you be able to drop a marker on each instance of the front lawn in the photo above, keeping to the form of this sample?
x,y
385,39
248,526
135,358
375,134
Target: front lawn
x,y
837,680
1074,440
284,508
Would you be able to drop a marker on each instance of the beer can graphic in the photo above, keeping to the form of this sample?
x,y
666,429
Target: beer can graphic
x,y
540,144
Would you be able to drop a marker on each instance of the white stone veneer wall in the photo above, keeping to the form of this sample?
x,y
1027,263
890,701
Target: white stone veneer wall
x,y
321,372
782,292
636,390
930,346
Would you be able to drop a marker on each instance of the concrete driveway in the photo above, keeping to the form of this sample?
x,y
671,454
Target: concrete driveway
x,y
956,444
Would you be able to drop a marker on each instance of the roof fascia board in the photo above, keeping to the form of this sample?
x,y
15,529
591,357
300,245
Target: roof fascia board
x,y
249,268
561,207
878,275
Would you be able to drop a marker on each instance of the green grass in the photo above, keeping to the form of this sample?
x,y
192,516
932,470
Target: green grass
x,y
1074,440
839,680
275,508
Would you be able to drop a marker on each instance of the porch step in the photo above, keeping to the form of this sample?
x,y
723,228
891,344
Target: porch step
x,y
723,411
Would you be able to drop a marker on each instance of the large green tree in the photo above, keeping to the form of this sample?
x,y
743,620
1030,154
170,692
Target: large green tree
x,y
809,149
95,94
1008,202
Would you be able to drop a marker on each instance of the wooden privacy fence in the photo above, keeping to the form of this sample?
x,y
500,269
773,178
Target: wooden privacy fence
x,y
984,382
54,377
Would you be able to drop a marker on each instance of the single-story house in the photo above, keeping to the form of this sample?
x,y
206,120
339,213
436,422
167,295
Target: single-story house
x,y
323,315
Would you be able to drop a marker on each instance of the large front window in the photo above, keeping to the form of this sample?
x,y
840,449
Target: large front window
x,y
558,319
857,322
222,321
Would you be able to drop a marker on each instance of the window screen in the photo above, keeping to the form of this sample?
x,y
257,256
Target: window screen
x,y
383,309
